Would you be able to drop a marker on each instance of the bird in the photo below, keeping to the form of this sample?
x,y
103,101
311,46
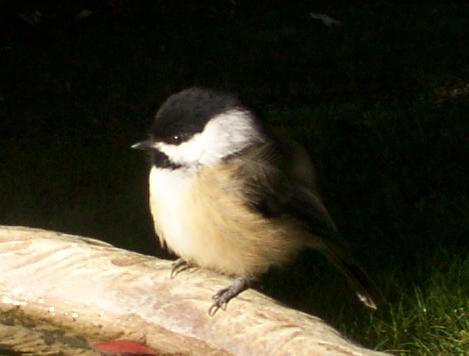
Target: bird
x,y
231,194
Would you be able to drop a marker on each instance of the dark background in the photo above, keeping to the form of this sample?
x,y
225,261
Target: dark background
x,y
380,102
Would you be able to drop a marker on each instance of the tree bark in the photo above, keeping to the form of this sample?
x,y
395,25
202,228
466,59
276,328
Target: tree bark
x,y
64,293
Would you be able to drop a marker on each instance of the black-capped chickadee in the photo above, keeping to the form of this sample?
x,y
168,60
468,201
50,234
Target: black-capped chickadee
x,y
231,195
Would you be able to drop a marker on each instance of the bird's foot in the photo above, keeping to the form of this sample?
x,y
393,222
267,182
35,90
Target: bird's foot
x,y
223,296
178,266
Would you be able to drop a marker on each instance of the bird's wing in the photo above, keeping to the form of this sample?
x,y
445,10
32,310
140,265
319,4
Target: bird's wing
x,y
273,193
274,188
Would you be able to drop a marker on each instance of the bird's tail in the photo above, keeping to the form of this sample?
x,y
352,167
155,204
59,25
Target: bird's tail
x,y
358,279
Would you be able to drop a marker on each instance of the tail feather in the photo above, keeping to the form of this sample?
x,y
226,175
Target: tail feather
x,y
357,278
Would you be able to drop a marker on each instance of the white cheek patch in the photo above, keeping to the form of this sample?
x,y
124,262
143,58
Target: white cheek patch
x,y
184,153
224,135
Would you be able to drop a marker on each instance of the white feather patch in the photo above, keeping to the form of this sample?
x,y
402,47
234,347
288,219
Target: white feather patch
x,y
169,191
223,135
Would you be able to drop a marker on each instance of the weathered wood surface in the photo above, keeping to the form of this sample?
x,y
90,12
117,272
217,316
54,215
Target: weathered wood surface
x,y
63,292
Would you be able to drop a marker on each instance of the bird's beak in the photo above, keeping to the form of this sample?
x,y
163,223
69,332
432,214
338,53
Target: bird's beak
x,y
143,145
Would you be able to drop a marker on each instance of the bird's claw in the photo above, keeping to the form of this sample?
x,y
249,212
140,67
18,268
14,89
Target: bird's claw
x,y
221,299
178,266
223,296
218,295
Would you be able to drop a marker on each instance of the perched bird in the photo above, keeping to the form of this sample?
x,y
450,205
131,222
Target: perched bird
x,y
229,194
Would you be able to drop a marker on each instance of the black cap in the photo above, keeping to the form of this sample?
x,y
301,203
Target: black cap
x,y
187,112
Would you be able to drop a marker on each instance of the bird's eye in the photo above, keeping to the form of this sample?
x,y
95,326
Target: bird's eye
x,y
176,139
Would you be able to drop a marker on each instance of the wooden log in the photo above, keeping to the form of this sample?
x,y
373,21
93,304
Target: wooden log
x,y
64,293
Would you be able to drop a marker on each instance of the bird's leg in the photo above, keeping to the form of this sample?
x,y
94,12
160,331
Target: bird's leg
x,y
223,296
178,266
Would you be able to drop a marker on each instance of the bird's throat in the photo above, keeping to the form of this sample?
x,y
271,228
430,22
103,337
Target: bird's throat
x,y
161,160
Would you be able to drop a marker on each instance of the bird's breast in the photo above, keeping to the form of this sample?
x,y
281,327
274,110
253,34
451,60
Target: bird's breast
x,y
169,192
201,216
